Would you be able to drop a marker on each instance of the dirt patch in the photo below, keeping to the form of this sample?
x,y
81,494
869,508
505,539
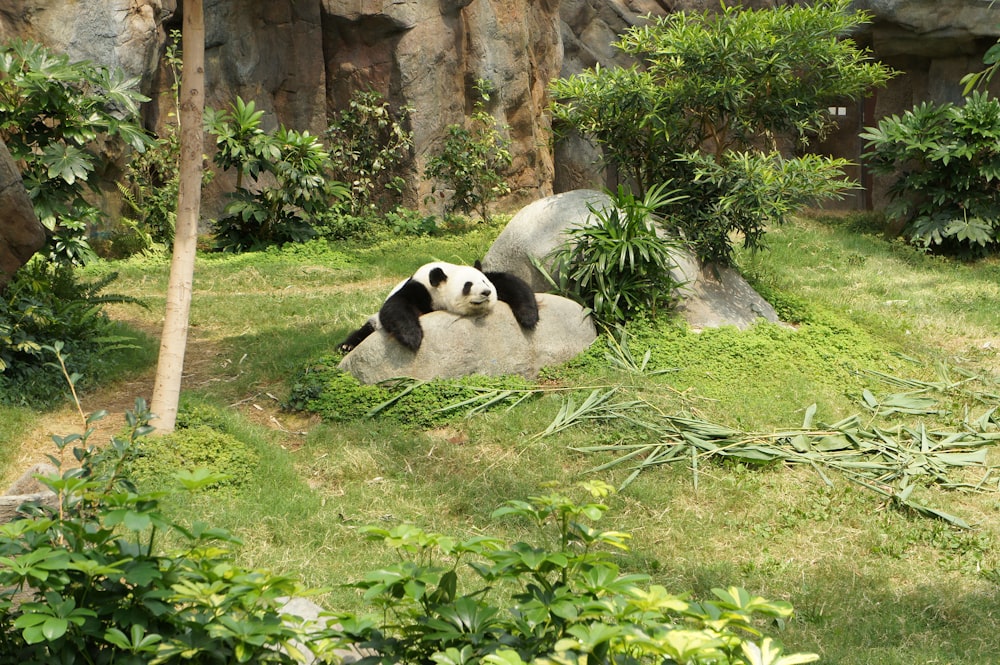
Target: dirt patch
x,y
200,367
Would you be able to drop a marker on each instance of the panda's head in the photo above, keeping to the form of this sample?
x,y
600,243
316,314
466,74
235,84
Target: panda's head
x,y
461,290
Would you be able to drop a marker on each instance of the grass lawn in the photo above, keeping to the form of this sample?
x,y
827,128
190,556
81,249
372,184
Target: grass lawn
x,y
872,582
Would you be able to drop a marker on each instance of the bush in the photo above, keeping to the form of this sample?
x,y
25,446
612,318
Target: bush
x,y
261,213
369,145
947,168
99,592
446,600
43,305
337,396
472,161
619,267
193,448
52,115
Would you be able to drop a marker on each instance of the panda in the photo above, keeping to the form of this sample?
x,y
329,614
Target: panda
x,y
461,290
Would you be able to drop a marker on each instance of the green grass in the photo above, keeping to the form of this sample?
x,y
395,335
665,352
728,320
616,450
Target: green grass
x,y
872,584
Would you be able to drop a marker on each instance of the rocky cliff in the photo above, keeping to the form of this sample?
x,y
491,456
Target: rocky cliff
x,y
301,59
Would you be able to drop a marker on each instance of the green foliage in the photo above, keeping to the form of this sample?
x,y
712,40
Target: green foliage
x,y
337,396
368,146
97,590
619,267
45,304
472,161
288,188
983,77
569,601
198,447
53,115
715,94
149,187
947,164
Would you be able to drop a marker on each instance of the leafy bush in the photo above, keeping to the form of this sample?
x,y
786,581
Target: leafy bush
x,y
368,145
44,304
472,161
337,396
99,592
619,266
446,600
714,97
52,114
947,168
198,447
149,188
280,207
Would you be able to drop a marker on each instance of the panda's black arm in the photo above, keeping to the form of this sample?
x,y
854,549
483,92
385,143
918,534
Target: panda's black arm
x,y
519,297
400,314
358,336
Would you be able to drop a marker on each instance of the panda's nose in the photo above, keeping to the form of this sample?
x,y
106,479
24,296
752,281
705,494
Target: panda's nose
x,y
485,293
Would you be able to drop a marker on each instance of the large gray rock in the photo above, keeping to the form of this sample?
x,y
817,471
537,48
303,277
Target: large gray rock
x,y
493,345
21,234
711,296
27,489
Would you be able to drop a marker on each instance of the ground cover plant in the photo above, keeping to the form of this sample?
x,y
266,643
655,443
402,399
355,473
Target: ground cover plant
x,y
872,581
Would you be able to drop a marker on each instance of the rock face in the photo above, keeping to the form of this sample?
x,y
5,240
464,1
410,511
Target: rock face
x,y
21,234
493,345
711,296
300,61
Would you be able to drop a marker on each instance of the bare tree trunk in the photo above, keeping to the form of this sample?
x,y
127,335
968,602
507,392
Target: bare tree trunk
x,y
21,234
170,366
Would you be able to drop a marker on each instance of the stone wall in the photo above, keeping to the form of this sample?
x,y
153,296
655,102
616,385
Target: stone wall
x,y
300,60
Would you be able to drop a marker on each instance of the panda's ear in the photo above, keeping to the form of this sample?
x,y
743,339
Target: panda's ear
x,y
478,265
437,276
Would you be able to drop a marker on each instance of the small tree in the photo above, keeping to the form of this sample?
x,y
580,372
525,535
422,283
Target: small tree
x,y
367,143
710,105
472,161
173,341
947,172
52,113
265,214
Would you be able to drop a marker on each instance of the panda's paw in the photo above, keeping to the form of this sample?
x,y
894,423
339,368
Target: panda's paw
x,y
356,337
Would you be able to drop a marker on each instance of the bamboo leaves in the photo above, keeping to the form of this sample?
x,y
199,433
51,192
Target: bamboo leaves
x,y
892,461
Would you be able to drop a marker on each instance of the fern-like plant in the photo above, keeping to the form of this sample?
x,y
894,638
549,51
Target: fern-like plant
x,y
620,267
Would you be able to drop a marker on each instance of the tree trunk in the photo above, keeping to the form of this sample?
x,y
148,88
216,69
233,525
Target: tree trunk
x,y
170,366
21,234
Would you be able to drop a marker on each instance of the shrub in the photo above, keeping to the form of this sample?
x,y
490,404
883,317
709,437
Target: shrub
x,y
198,447
619,267
44,304
369,144
261,213
446,600
472,161
714,97
947,168
149,188
99,592
52,115
337,396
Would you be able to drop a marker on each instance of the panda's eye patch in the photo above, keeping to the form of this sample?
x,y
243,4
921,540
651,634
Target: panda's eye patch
x,y
467,289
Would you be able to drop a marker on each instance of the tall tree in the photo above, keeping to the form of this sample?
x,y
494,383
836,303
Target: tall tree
x,y
173,342
714,99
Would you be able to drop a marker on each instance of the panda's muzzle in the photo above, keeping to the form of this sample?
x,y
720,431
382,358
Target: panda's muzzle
x,y
481,298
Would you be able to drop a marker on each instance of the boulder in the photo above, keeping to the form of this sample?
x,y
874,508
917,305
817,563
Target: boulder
x,y
493,345
21,234
712,296
27,489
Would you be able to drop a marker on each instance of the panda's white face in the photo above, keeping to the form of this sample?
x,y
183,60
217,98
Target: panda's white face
x,y
461,290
